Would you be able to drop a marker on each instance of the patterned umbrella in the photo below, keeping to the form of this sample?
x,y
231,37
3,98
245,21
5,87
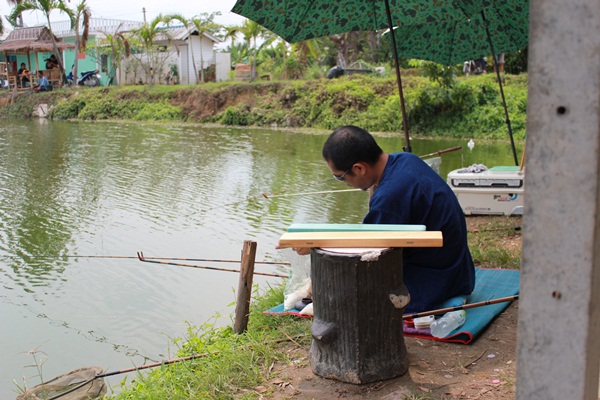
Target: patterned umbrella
x,y
445,31
500,27
297,20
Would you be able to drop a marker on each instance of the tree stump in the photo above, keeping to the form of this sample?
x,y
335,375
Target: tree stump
x,y
359,299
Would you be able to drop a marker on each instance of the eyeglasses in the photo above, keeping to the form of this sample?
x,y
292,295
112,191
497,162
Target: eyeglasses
x,y
341,177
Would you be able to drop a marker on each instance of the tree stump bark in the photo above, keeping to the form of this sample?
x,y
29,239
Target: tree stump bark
x,y
358,302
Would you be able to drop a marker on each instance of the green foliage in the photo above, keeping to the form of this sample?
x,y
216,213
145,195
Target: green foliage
x,y
68,109
442,74
293,68
516,62
159,112
471,107
235,116
99,108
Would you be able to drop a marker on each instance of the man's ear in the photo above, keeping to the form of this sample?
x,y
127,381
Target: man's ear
x,y
360,168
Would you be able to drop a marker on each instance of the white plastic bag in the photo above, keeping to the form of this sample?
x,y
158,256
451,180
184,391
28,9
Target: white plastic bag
x,y
298,285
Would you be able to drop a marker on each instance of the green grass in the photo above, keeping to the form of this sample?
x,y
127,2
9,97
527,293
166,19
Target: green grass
x,y
495,241
234,365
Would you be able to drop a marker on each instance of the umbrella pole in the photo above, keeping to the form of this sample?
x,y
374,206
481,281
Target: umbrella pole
x,y
407,148
510,134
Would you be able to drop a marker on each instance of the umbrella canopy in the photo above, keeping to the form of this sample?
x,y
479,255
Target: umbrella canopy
x,y
452,42
297,20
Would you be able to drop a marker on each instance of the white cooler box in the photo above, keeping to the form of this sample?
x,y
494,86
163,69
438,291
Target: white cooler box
x,y
497,191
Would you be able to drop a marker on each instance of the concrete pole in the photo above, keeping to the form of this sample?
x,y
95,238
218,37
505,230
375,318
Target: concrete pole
x,y
558,349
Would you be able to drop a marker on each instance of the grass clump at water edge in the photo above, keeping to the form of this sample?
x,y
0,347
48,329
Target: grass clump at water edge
x,y
233,366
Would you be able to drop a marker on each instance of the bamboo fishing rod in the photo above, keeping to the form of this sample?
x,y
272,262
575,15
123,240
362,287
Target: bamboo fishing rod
x,y
154,261
461,307
440,152
266,196
157,364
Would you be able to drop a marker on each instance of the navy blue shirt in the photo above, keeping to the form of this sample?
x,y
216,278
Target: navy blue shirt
x,y
411,192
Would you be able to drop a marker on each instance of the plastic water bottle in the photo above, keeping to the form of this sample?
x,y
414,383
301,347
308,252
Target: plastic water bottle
x,y
440,328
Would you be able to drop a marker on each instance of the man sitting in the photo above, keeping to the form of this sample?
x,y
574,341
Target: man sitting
x,y
43,85
22,73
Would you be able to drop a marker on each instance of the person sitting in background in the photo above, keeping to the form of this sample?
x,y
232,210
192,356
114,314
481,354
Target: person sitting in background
x,y
51,62
22,74
43,85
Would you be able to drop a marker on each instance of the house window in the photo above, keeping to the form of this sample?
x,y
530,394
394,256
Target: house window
x,y
104,63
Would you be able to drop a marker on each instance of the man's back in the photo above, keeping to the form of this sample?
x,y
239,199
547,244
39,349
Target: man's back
x,y
410,192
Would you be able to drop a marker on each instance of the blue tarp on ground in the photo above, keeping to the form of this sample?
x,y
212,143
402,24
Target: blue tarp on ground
x,y
489,284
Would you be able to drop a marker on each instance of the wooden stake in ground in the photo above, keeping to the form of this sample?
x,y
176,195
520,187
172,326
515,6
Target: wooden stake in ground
x,y
242,308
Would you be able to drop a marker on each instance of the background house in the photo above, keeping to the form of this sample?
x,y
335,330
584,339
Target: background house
x,y
191,52
179,50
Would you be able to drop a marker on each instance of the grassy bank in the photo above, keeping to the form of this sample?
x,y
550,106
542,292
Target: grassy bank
x,y
247,366
471,107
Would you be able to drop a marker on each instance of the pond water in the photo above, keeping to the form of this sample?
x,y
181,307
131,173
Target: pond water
x,y
79,200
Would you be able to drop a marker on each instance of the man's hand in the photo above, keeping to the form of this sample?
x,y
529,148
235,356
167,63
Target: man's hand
x,y
302,251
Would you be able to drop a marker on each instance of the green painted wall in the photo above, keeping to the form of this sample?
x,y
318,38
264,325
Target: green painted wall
x,y
88,62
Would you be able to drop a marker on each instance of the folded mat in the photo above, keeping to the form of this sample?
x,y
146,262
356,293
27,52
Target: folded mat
x,y
489,284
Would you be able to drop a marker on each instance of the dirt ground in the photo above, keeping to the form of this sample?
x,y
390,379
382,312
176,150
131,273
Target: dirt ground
x,y
484,369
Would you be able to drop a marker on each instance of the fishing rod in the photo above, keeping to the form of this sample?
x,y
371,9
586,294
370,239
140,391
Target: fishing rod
x,y
515,228
440,152
309,193
156,258
154,365
154,261
461,307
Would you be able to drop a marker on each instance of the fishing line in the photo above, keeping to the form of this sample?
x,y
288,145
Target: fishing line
x,y
154,258
285,193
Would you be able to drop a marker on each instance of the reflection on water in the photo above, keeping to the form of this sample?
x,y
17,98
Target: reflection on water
x,y
112,189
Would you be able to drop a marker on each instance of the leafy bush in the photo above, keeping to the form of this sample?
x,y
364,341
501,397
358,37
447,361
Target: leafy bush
x,y
235,116
99,108
159,112
67,109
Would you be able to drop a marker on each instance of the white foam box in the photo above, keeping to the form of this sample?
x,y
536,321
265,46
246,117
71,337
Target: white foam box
x,y
497,191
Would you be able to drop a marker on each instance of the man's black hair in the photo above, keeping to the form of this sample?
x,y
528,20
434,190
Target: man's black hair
x,y
348,145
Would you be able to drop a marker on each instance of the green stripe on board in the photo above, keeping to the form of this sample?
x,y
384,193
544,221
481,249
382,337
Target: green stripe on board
x,y
354,228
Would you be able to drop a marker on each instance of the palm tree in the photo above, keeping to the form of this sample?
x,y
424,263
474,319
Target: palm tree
x,y
19,19
119,48
80,18
251,32
46,7
148,34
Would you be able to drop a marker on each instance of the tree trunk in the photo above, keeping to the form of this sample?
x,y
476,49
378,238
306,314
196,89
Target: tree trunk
x,y
357,331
